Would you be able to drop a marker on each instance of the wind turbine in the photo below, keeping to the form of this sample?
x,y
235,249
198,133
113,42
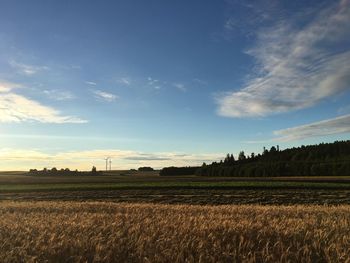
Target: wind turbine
x,y
106,159
110,164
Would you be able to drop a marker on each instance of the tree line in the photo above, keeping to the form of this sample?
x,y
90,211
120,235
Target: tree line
x,y
178,171
325,159
63,171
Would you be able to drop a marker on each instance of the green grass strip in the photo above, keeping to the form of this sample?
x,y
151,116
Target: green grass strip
x,y
162,185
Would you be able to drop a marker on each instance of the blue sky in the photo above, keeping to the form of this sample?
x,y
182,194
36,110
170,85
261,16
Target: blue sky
x,y
168,82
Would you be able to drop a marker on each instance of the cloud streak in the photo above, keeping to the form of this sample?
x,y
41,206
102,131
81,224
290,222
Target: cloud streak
x,y
17,108
124,81
26,69
322,128
91,83
296,67
180,87
105,96
154,83
59,95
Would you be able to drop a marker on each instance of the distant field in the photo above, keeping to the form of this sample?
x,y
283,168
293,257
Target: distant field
x,y
126,186
171,185
112,232
142,178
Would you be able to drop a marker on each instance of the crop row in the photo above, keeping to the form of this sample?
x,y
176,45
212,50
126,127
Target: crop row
x,y
122,232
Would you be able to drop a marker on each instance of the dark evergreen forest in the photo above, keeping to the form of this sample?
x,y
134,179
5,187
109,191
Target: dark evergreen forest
x,y
325,159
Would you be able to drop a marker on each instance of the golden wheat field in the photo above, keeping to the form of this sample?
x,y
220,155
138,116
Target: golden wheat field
x,y
121,232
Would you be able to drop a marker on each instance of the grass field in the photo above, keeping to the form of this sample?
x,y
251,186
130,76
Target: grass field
x,y
126,186
112,232
128,216
171,185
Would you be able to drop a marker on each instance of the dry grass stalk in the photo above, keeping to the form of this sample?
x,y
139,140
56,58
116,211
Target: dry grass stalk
x,y
112,232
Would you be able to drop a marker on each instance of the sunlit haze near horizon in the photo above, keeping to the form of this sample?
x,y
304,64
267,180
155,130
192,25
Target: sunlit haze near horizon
x,y
161,83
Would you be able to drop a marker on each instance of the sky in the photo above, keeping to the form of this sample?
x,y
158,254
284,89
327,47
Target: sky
x,y
160,83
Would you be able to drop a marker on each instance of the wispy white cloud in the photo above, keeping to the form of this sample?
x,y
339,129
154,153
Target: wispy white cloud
x,y
17,108
26,69
344,110
59,94
91,83
230,23
78,67
7,86
105,96
154,83
297,67
336,125
246,15
180,86
124,81
200,81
